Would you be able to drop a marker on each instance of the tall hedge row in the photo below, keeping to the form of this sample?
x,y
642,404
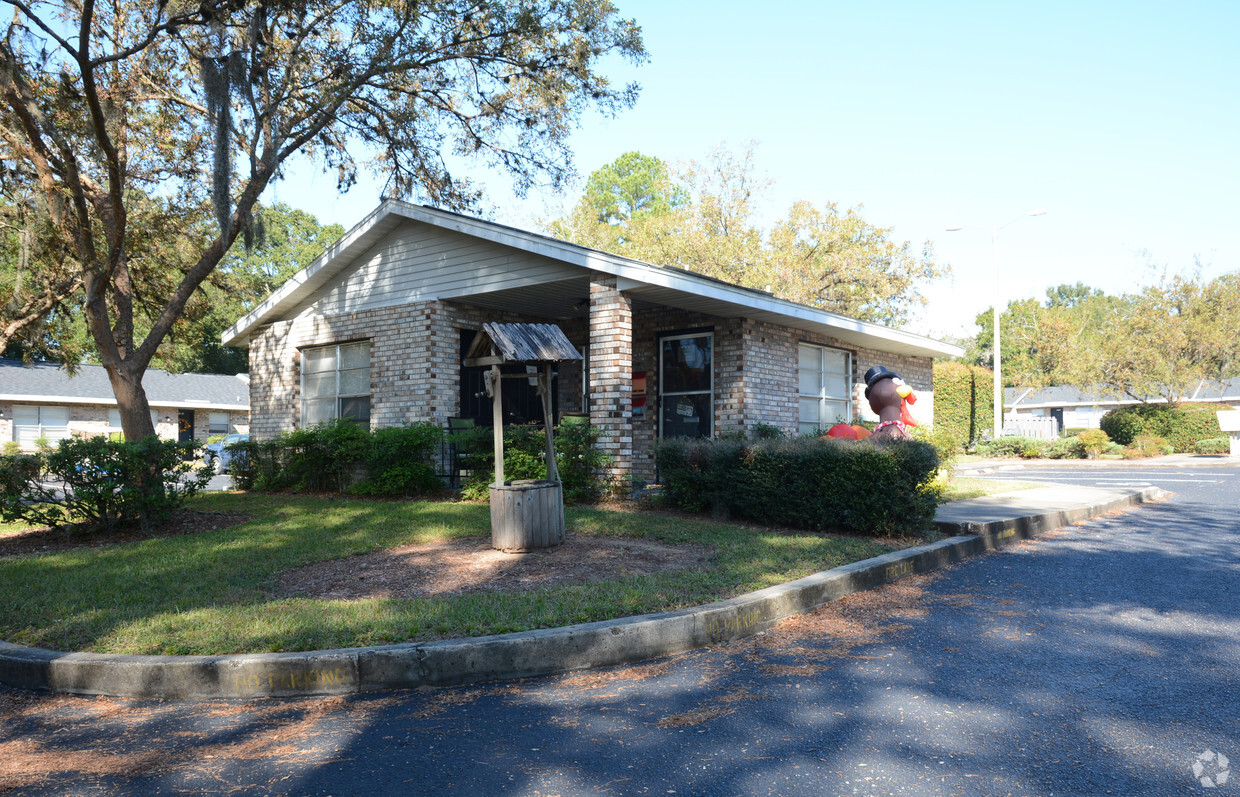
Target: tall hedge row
x,y
963,401
1181,425
805,482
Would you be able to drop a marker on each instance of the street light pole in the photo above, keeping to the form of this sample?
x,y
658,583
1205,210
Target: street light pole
x,y
994,243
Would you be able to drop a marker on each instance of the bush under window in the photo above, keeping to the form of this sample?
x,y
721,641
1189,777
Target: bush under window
x,y
805,483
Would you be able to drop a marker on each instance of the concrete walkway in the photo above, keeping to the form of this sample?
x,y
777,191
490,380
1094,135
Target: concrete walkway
x,y
984,466
974,525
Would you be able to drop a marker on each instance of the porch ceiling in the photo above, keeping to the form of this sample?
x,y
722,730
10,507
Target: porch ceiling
x,y
569,299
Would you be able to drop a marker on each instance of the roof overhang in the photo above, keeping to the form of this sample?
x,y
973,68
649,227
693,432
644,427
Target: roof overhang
x,y
110,401
646,283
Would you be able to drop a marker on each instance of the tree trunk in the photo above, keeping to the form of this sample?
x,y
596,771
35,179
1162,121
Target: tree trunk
x,y
131,400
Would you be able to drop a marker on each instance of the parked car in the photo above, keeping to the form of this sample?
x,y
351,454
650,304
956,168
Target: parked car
x,y
217,455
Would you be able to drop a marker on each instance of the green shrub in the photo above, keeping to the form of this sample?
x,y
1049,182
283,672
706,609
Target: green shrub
x,y
1191,423
1034,449
1213,445
324,456
805,482
1181,425
11,448
100,483
1147,445
399,461
963,401
577,459
215,438
319,458
766,431
945,443
255,465
1066,448
1094,441
1012,446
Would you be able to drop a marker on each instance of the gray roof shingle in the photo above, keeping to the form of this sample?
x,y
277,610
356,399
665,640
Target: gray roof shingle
x,y
48,383
1067,395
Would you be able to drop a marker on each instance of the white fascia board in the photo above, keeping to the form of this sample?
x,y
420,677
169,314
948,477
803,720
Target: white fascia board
x,y
110,401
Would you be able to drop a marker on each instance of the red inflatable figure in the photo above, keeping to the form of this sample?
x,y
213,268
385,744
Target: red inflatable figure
x,y
889,398
842,431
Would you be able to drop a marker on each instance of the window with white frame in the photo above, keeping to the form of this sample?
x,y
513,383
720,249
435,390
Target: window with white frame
x,y
32,422
824,390
335,383
218,423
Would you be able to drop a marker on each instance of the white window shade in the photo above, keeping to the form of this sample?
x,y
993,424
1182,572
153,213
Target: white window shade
x,y
30,423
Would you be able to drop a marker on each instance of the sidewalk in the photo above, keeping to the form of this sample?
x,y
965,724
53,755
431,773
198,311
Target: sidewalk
x,y
1169,461
976,525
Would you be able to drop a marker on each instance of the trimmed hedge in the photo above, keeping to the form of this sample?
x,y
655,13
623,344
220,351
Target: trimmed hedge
x,y
805,483
963,401
330,456
1181,425
1214,445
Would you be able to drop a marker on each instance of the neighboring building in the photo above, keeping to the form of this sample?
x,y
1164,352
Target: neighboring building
x,y
42,400
376,327
1074,408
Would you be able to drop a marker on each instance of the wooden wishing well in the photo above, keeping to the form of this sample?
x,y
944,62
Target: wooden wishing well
x,y
526,514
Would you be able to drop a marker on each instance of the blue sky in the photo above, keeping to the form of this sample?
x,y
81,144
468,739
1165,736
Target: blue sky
x,y
1121,119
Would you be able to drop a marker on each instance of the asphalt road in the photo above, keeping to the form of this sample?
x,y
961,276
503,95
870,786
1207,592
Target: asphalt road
x,y
1100,659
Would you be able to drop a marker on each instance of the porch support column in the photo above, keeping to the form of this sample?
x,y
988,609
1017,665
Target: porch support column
x,y
611,373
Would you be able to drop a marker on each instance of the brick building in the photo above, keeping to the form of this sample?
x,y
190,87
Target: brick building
x,y
375,329
43,401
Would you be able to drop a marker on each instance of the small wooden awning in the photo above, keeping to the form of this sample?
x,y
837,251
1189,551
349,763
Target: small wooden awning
x,y
498,344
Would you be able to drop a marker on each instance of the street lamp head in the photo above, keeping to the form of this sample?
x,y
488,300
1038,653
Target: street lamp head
x,y
1036,212
955,228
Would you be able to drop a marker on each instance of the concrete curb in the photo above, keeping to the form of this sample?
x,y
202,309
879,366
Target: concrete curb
x,y
518,655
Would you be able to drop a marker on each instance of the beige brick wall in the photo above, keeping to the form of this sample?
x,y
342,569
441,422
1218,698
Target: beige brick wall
x,y
415,368
91,420
755,375
415,362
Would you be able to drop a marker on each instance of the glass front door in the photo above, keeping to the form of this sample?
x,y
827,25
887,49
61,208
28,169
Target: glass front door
x,y
686,385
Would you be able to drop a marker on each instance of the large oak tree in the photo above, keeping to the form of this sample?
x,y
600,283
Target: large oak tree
x,y
121,121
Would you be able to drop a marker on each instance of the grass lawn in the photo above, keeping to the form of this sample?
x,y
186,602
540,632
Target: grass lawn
x,y
212,592
962,487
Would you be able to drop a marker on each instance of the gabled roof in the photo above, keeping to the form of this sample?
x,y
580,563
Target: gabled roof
x,y
48,383
660,285
1225,392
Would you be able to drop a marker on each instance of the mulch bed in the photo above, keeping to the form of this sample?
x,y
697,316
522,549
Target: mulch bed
x,y
182,522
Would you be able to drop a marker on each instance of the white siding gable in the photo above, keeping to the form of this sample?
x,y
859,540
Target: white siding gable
x,y
418,262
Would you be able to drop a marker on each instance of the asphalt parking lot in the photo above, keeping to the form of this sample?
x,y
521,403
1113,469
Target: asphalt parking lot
x,y
1098,659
